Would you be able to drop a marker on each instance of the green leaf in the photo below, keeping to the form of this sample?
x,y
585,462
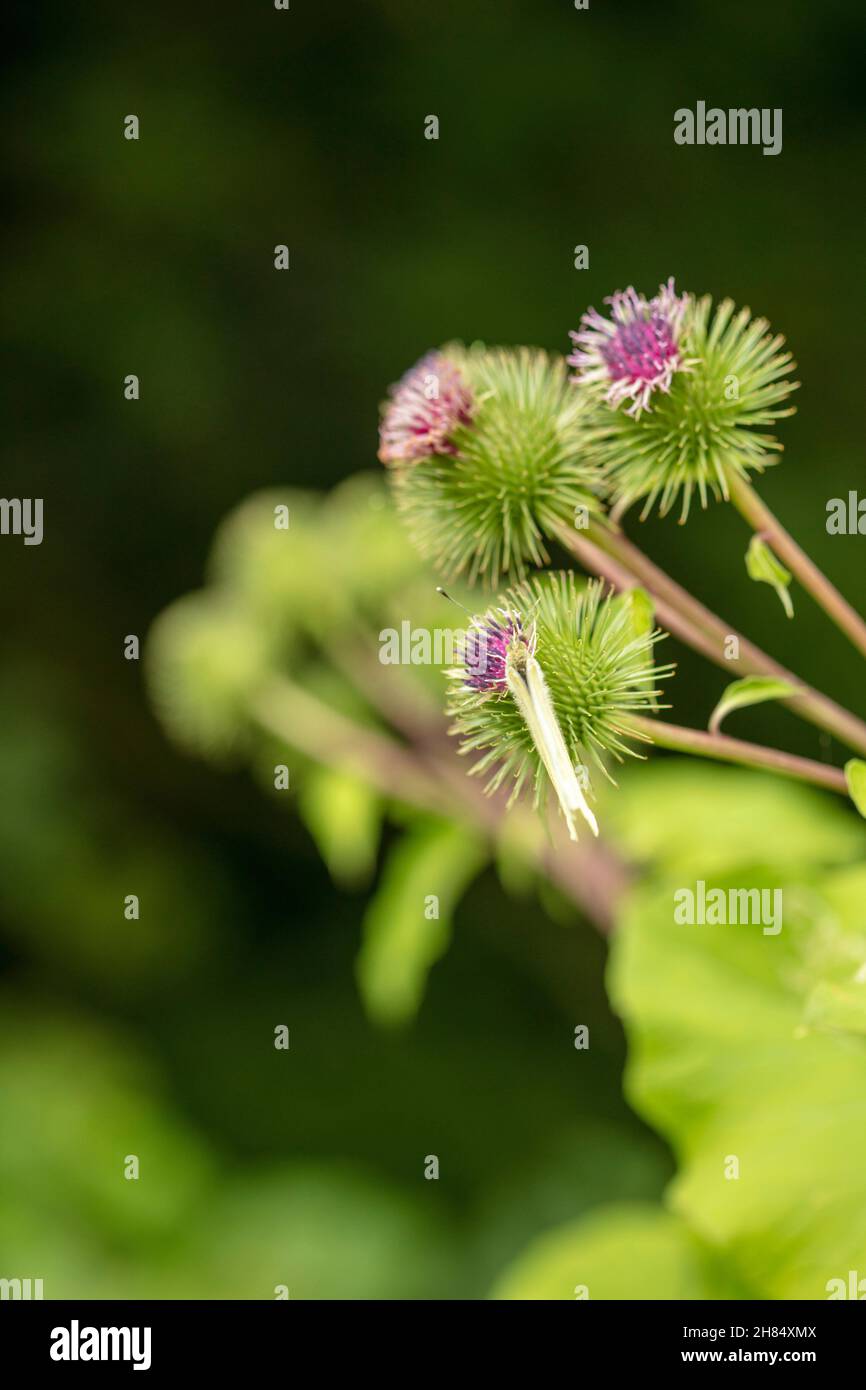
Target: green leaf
x,y
623,1251
837,958
855,776
751,690
517,850
687,817
344,817
838,1007
640,610
408,924
724,1062
762,565
204,661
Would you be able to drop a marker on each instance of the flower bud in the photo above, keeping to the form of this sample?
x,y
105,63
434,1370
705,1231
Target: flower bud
x,y
485,449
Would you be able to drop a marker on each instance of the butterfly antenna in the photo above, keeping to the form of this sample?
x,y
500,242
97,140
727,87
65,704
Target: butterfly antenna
x,y
445,594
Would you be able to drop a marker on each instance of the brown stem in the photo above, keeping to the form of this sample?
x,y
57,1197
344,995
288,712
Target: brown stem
x,y
736,750
814,581
605,551
403,701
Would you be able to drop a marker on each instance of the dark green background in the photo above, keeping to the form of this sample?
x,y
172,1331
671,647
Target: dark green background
x,y
260,127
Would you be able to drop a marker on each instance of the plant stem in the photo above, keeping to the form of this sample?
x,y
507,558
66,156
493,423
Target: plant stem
x,y
590,874
814,581
735,750
300,719
605,551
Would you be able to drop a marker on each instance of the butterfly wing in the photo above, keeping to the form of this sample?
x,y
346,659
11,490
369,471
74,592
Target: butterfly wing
x,y
532,697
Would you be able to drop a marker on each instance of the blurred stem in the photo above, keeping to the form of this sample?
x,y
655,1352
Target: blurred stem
x,y
294,716
604,550
591,875
404,702
735,750
813,580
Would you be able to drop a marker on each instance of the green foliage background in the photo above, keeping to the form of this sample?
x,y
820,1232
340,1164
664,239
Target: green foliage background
x,y
155,1037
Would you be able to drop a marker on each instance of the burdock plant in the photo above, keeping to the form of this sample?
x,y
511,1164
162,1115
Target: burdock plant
x,y
494,452
497,459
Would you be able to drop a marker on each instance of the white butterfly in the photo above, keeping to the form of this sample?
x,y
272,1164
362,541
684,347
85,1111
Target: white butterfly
x,y
526,683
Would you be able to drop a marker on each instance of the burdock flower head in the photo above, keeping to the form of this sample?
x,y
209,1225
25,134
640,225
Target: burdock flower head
x,y
485,450
546,685
425,408
700,383
636,351
488,645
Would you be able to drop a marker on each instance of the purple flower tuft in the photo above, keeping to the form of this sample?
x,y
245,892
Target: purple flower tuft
x,y
637,350
424,409
486,648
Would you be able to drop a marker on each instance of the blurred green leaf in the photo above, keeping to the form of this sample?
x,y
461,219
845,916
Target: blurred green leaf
x,y
624,1251
283,578
836,960
724,1064
838,1006
855,775
344,817
368,544
204,660
517,848
676,812
341,556
408,923
751,690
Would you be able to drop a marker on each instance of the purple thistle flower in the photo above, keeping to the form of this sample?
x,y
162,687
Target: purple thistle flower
x,y
425,407
486,648
637,350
